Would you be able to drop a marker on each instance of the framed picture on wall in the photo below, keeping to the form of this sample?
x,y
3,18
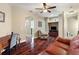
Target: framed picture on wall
x,y
2,16
39,24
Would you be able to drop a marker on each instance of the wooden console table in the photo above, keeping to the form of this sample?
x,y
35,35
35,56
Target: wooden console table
x,y
0,48
4,42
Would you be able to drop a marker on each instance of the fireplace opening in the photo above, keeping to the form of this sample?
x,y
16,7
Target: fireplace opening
x,y
53,29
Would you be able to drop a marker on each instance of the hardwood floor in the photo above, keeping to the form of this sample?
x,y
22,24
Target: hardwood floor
x,y
25,49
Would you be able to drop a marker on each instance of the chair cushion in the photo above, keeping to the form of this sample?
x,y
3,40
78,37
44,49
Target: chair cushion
x,y
63,40
74,46
62,45
55,50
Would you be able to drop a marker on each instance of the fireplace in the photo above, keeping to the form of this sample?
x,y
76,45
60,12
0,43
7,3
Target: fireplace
x,y
53,29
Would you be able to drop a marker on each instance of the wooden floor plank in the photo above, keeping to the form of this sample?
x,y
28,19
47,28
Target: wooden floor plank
x,y
24,48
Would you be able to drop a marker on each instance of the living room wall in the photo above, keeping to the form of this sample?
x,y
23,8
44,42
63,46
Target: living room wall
x,y
19,16
5,27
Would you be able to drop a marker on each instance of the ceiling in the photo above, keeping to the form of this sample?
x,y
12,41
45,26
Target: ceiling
x,y
60,7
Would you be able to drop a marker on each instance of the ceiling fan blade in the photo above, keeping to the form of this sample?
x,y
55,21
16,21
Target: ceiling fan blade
x,y
38,8
44,4
49,11
51,7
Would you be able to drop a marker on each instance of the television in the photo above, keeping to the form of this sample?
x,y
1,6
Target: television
x,y
53,28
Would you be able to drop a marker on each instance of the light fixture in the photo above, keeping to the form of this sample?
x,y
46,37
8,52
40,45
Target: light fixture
x,y
45,10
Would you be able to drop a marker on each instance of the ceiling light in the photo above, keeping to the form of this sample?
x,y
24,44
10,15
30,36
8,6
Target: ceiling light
x,y
45,10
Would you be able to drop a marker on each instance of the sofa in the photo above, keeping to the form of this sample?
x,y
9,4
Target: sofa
x,y
74,46
59,47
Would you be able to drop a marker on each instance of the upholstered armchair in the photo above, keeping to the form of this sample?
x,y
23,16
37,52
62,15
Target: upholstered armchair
x,y
74,46
38,33
59,46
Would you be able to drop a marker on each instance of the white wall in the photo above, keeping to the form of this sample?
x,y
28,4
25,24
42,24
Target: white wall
x,y
43,25
61,25
19,16
70,25
54,19
5,28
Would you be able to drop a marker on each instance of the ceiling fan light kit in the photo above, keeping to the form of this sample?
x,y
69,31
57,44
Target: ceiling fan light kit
x,y
45,8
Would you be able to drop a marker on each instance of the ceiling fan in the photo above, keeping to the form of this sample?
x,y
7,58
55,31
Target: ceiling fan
x,y
45,8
